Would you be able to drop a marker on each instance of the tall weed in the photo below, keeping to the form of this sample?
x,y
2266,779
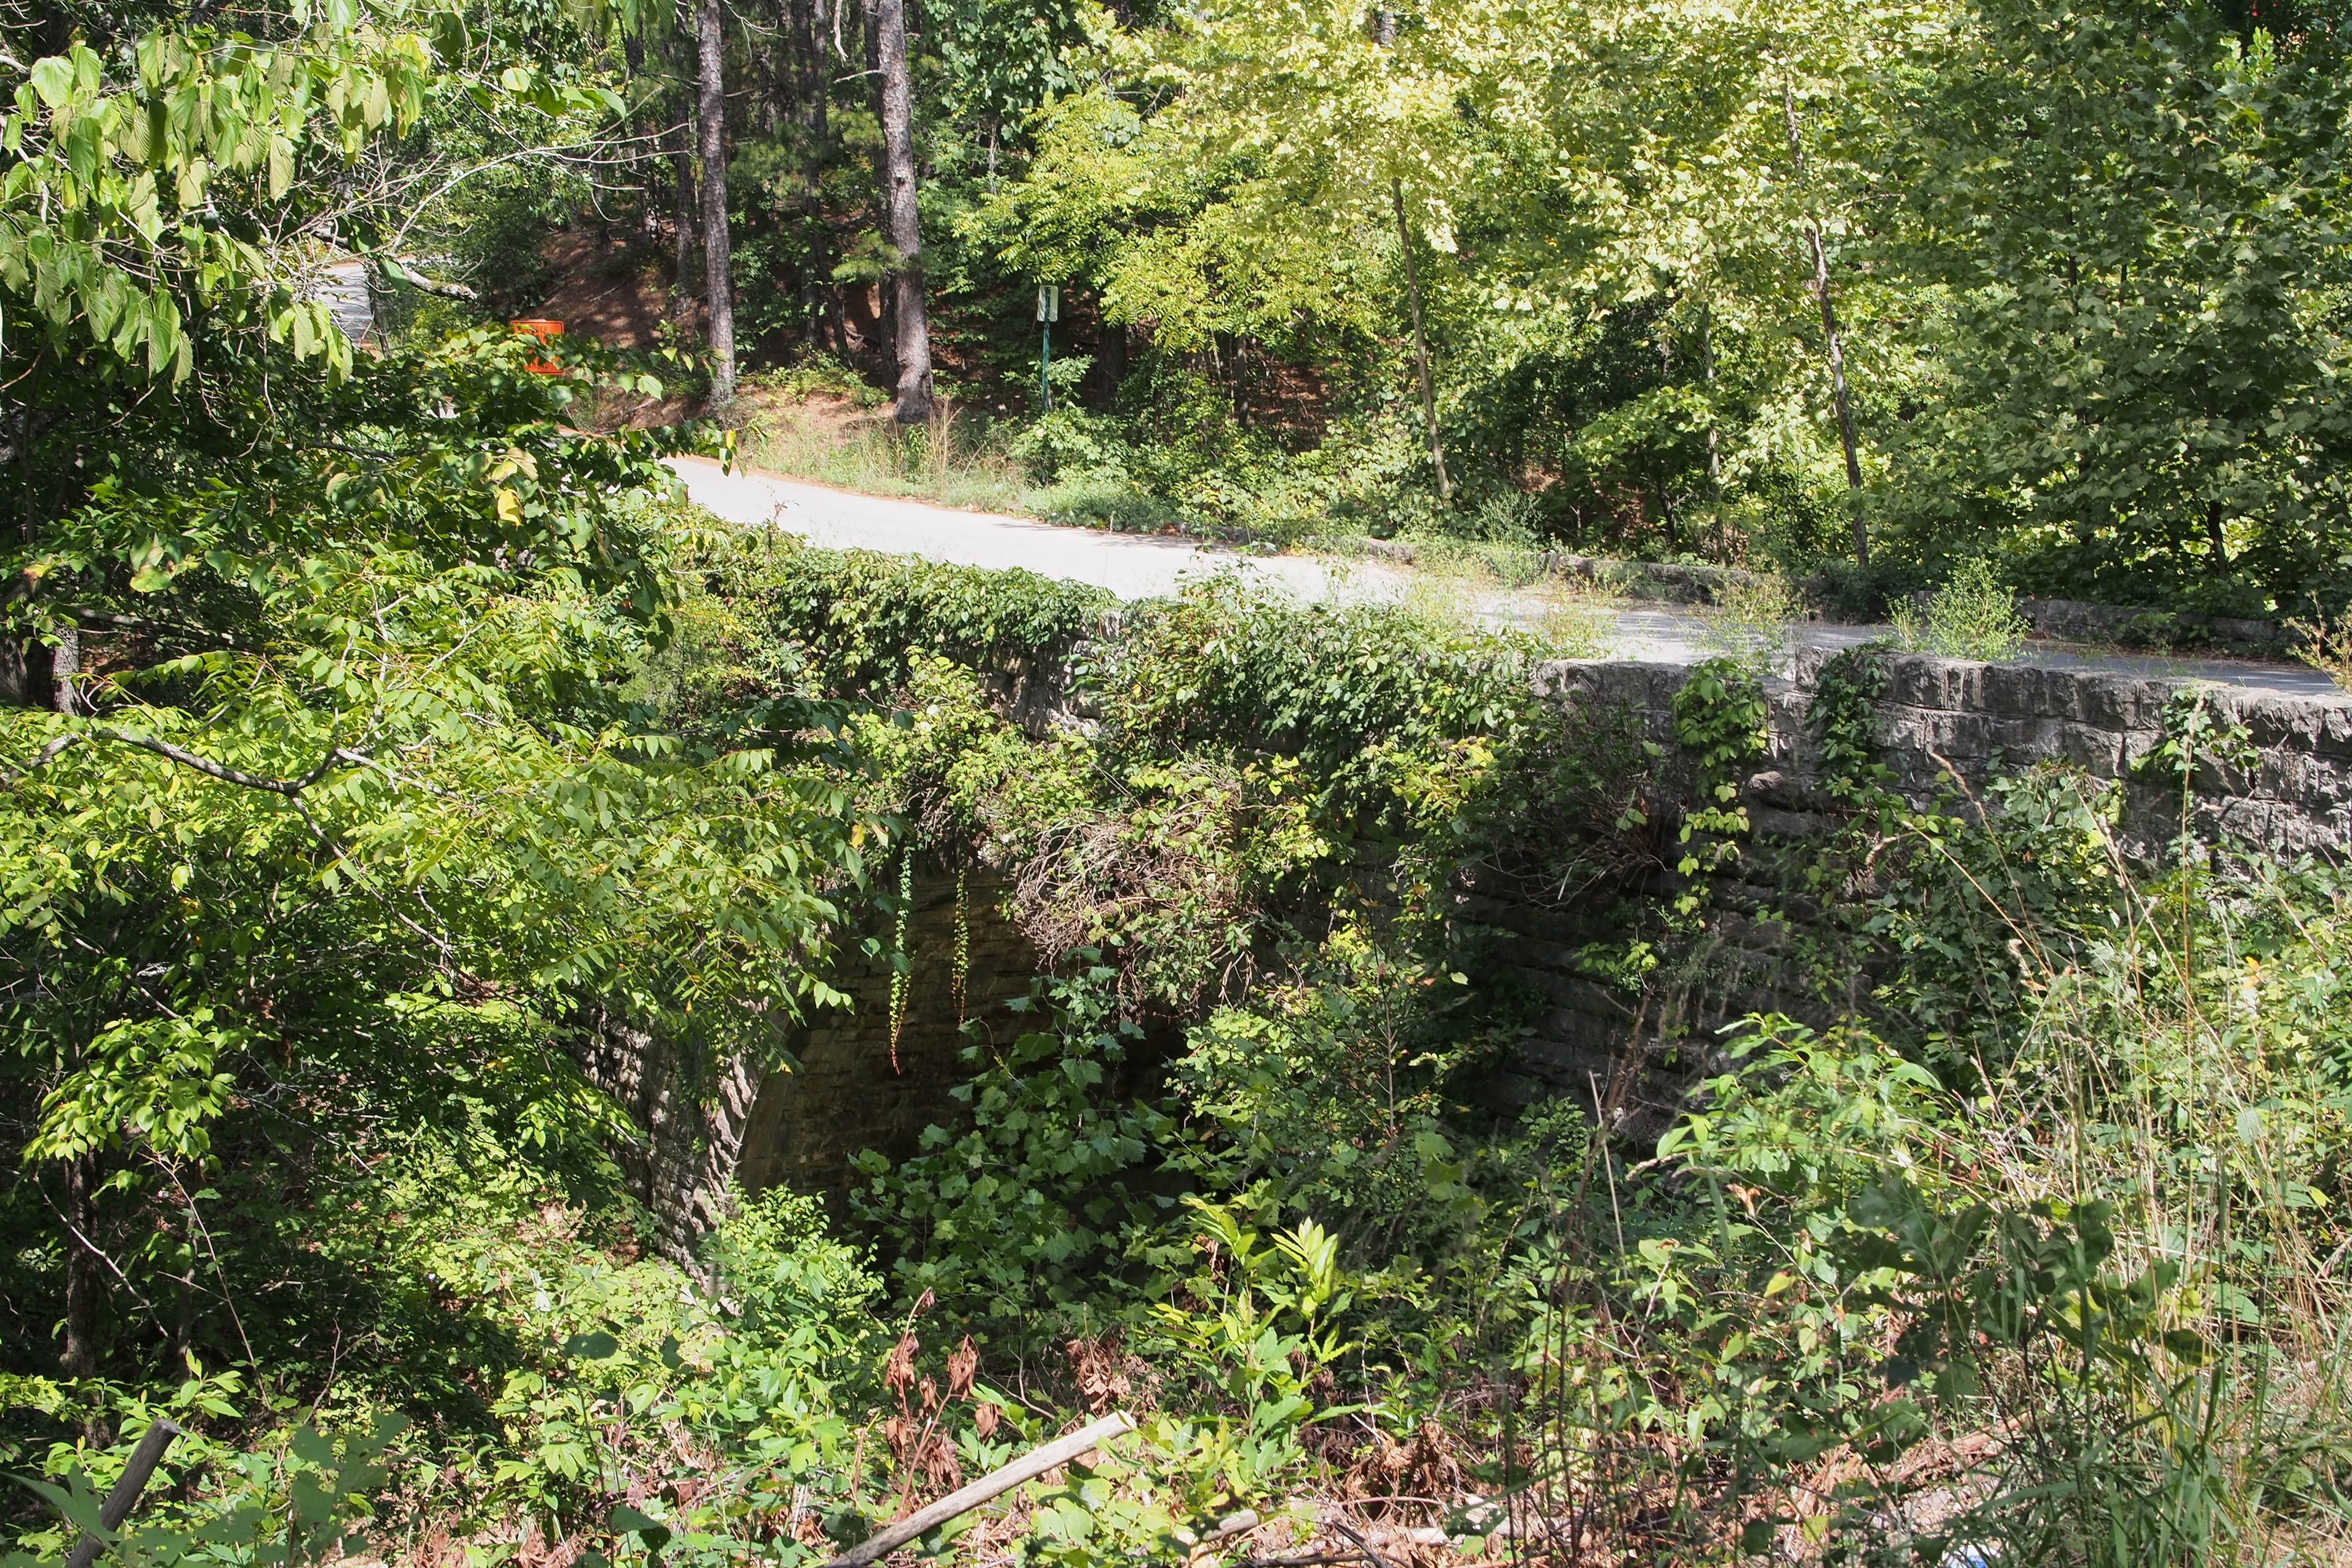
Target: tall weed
x,y
950,460
1753,623
1972,616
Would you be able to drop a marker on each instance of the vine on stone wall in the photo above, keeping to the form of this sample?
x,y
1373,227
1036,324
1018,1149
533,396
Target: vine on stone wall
x,y
1843,715
859,618
959,975
1720,717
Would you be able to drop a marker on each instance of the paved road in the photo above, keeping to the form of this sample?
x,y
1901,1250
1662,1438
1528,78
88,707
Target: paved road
x,y
1137,566
1132,565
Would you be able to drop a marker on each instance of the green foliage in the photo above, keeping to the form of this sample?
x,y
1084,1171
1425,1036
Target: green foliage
x,y
750,1363
1241,1162
326,829
1353,692
1845,689
2196,736
596,1369
383,741
861,617
308,1502
355,740
1016,1214
1177,857
1855,1243
1980,913
1719,718
2127,398
2138,384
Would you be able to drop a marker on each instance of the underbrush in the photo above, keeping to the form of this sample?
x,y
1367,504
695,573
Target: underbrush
x,y
2023,1247
1179,467
820,427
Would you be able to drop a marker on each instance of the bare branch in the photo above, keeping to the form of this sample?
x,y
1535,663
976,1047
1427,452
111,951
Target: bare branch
x,y
203,764
415,279
41,759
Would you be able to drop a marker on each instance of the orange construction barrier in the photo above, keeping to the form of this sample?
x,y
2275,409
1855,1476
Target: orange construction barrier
x,y
543,330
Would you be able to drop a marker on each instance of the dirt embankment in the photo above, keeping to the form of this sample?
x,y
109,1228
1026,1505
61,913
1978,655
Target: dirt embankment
x,y
619,293
607,289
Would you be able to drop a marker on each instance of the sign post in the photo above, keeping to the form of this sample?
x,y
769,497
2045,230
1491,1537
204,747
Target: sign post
x,y
1049,310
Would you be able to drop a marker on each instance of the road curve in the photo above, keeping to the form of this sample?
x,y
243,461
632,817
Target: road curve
x,y
1131,565
1140,566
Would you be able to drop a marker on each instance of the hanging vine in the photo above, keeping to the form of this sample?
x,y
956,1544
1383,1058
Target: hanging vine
x,y
962,968
902,967
1720,717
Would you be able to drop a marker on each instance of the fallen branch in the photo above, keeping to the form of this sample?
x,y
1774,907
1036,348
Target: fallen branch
x,y
125,1495
1371,1556
398,271
1030,1466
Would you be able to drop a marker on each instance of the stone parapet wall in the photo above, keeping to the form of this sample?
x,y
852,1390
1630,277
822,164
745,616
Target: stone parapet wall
x,y
1953,725
660,1086
1945,728
1958,722
2074,620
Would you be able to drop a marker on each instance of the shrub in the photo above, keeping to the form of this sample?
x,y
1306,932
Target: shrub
x,y
1972,616
1095,500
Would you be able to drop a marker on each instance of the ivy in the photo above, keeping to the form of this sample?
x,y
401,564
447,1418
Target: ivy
x,y
1843,715
1721,718
2192,732
1356,692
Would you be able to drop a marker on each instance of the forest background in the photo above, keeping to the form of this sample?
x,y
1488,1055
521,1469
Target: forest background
x,y
379,719
1858,291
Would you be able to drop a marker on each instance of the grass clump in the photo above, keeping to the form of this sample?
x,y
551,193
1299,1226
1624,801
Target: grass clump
x,y
1753,623
1972,616
2325,645
951,461
1574,626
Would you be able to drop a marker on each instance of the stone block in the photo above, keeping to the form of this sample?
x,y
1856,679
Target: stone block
x,y
1922,680
2332,736
2097,751
2019,691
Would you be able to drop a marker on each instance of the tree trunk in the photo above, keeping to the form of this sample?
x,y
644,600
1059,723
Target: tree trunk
x,y
886,345
808,64
1419,342
1837,365
1714,443
719,283
837,319
1706,375
683,157
85,1287
902,224
1830,339
65,669
2216,537
1113,366
25,676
